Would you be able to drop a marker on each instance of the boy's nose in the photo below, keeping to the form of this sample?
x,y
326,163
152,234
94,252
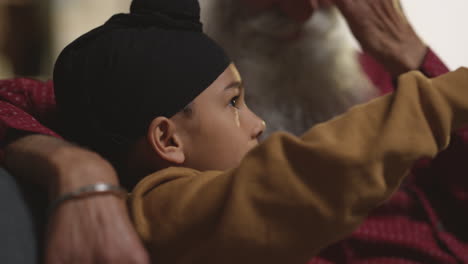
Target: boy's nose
x,y
259,129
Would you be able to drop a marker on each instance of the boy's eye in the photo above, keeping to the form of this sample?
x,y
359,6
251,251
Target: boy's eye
x,y
234,101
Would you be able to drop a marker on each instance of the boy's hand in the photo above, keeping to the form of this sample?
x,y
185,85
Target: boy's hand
x,y
384,32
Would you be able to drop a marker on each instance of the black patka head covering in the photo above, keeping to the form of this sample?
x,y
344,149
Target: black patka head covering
x,y
111,82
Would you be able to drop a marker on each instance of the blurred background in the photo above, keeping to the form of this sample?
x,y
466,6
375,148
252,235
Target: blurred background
x,y
33,32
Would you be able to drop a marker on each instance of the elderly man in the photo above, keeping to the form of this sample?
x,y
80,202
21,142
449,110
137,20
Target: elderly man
x,y
283,53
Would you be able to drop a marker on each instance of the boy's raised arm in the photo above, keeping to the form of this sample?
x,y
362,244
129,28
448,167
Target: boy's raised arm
x,y
291,196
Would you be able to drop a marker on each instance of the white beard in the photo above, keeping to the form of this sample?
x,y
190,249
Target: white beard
x,y
292,84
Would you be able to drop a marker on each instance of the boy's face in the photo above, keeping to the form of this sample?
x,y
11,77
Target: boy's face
x,y
219,129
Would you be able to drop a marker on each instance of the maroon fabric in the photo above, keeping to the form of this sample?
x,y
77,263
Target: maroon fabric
x,y
24,104
425,222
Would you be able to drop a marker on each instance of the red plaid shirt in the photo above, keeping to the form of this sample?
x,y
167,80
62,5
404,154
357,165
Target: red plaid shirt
x,y
417,225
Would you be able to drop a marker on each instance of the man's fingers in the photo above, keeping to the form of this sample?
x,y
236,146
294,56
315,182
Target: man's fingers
x,y
353,7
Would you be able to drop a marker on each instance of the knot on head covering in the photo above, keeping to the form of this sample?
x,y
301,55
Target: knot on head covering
x,y
172,14
113,81
180,9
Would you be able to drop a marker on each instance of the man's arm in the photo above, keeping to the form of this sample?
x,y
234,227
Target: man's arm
x,y
88,230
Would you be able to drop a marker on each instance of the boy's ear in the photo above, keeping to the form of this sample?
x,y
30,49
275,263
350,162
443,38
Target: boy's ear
x,y
164,140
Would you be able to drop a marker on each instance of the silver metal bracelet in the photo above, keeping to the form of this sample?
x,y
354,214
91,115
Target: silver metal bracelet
x,y
90,190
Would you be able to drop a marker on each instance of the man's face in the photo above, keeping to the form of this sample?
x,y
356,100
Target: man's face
x,y
312,64
219,129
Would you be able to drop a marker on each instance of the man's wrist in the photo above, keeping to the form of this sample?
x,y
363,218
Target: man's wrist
x,y
58,166
97,189
77,167
400,62
414,59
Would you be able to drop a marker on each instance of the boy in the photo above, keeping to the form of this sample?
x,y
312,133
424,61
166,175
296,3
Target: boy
x,y
154,95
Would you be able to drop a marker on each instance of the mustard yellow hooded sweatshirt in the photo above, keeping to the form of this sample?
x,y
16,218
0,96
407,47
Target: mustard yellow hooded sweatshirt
x,y
292,196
